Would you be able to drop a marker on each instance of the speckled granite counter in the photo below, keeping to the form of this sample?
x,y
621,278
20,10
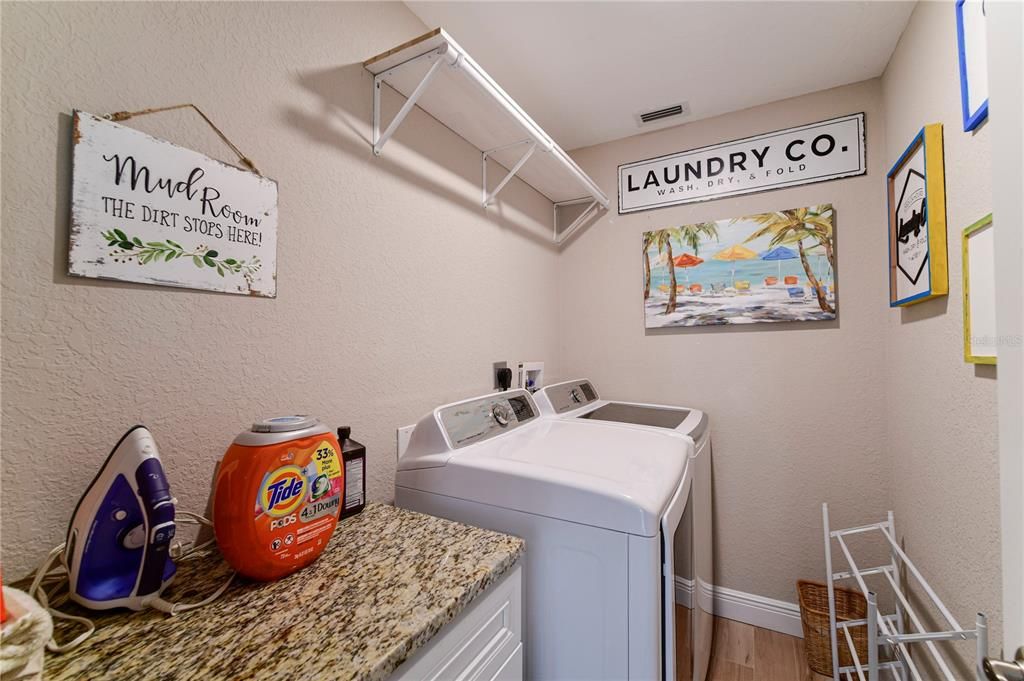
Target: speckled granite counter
x,y
388,581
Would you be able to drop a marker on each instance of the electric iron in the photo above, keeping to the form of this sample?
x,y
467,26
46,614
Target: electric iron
x,y
118,546
119,551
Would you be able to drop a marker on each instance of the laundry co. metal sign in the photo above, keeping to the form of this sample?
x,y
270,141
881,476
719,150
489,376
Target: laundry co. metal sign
x,y
809,153
147,211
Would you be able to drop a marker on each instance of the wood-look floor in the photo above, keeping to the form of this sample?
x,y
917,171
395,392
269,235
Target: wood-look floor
x,y
746,653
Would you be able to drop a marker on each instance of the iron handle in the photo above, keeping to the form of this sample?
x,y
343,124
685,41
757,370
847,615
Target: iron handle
x,y
999,670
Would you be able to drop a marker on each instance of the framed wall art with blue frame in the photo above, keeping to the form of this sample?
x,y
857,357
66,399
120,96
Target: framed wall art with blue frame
x,y
973,51
916,186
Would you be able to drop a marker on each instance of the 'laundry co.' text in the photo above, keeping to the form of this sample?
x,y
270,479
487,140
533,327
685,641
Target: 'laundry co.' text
x,y
809,153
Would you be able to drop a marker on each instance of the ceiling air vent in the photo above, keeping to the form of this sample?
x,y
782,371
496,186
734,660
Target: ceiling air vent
x,y
657,115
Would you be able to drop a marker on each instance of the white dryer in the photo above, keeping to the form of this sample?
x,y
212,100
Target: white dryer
x,y
578,401
598,506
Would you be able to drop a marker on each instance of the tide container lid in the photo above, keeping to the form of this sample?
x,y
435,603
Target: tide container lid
x,y
284,424
281,429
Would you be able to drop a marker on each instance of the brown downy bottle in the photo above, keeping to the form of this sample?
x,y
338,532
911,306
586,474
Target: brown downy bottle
x,y
353,456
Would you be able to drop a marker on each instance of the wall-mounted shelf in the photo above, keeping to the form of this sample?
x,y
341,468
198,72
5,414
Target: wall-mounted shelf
x,y
434,72
890,645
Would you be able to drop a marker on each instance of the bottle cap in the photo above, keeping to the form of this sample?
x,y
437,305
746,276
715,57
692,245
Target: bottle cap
x,y
344,432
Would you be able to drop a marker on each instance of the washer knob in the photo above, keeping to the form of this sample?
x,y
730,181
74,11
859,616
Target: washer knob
x,y
502,414
575,395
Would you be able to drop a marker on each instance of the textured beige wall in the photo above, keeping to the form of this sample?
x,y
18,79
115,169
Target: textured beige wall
x,y
941,429
387,268
797,410
382,312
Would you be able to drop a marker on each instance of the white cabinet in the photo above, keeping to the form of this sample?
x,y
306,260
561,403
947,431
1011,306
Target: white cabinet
x,y
483,643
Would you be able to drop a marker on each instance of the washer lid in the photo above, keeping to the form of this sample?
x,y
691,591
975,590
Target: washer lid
x,y
639,414
579,399
610,476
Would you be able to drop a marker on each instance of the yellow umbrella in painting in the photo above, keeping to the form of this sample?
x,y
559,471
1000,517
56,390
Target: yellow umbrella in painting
x,y
734,253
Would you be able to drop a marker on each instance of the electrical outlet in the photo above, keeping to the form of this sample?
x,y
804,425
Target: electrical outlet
x,y
404,433
494,372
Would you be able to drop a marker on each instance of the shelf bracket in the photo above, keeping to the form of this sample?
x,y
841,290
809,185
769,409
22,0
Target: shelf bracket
x,y
488,198
379,139
559,237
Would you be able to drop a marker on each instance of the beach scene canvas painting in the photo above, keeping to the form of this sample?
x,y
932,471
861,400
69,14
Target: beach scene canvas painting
x,y
768,267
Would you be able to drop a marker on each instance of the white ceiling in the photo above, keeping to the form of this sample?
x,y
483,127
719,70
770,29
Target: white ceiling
x,y
582,70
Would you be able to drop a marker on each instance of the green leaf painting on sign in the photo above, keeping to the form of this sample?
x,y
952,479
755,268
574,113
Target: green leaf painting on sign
x,y
134,250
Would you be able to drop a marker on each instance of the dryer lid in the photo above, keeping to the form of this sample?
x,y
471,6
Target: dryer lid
x,y
613,477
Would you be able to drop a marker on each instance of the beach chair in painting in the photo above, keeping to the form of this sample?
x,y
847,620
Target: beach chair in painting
x,y
791,280
718,289
696,288
771,281
742,286
795,291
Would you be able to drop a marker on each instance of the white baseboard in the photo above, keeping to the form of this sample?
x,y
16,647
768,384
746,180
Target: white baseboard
x,y
684,591
752,609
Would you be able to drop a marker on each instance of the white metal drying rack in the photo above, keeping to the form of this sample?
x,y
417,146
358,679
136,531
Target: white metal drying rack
x,y
887,632
486,116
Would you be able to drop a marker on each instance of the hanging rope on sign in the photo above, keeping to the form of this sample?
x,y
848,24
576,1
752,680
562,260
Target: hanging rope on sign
x,y
118,116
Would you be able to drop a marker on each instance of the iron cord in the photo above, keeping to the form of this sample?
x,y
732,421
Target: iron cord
x,y
49,585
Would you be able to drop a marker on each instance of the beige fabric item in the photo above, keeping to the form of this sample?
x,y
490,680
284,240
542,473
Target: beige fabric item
x,y
24,637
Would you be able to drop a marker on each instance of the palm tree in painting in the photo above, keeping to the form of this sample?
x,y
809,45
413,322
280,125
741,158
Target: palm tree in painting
x,y
648,240
792,227
662,239
692,235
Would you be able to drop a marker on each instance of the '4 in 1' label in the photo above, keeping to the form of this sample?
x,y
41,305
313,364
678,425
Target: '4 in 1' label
x,y
320,508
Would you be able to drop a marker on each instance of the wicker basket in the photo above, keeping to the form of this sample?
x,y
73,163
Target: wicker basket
x,y
850,605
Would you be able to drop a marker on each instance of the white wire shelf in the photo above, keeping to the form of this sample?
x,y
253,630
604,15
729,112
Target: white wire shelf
x,y
435,73
887,634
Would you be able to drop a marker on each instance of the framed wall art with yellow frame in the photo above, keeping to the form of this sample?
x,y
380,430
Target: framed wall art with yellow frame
x,y
979,252
916,185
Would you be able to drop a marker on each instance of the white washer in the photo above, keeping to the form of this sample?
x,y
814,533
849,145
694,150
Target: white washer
x,y
598,506
579,401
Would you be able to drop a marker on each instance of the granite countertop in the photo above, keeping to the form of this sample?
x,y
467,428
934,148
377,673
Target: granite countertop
x,y
387,582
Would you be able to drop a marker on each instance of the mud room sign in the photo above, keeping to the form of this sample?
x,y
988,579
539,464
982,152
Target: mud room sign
x,y
809,153
147,211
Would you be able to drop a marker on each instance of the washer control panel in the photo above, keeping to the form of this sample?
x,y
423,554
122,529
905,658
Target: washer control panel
x,y
568,396
483,418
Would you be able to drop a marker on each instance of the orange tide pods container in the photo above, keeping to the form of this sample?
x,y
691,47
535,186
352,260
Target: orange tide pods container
x,y
277,496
